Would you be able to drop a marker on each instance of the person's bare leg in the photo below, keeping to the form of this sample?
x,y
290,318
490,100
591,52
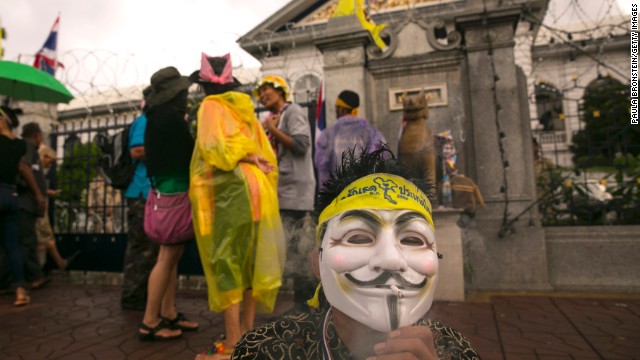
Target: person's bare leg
x,y
52,249
158,282
232,325
169,300
22,298
233,333
248,310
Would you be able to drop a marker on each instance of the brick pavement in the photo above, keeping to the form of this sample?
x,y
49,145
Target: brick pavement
x,y
67,321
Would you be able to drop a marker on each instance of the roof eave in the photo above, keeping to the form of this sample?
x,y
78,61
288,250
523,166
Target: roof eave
x,y
279,18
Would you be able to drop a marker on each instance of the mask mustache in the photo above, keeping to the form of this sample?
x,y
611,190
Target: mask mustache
x,y
381,280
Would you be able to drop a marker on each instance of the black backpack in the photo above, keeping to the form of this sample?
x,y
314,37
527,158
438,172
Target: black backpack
x,y
116,164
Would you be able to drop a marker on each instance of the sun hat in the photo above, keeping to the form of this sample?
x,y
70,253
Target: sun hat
x,y
165,85
215,74
276,81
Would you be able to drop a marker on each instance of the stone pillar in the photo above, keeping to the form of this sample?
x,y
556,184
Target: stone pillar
x,y
344,53
449,243
518,260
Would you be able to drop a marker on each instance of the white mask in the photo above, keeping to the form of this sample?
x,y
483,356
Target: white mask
x,y
360,246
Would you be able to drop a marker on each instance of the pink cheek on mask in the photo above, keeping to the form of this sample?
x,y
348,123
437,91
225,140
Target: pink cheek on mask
x,y
429,266
339,262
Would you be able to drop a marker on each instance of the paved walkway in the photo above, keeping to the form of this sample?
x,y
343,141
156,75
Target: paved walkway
x,y
67,321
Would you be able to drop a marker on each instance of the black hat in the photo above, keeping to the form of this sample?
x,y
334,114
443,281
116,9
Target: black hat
x,y
146,91
11,114
165,85
348,99
215,74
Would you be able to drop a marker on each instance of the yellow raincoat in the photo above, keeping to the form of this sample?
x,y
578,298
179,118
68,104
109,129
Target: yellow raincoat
x,y
235,205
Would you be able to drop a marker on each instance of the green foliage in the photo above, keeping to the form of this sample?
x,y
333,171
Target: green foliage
x,y
77,169
607,130
626,201
567,199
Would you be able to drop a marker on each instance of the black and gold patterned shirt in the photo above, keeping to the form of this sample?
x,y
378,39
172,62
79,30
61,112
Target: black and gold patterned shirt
x,y
300,336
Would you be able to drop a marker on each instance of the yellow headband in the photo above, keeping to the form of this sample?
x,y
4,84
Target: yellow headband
x,y
341,103
381,192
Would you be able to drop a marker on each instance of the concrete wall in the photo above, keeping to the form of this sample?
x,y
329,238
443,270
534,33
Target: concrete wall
x,y
449,243
594,258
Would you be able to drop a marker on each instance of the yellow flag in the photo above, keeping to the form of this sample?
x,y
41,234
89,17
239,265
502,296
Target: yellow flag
x,y
351,7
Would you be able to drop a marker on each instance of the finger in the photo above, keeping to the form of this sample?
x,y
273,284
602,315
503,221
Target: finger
x,y
413,345
421,332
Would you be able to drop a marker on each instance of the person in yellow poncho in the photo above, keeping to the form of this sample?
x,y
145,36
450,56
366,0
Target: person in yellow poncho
x,y
235,204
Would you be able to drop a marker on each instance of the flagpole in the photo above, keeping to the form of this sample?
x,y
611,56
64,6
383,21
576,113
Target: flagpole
x,y
55,61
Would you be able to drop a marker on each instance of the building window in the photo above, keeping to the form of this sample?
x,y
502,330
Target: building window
x,y
549,106
306,88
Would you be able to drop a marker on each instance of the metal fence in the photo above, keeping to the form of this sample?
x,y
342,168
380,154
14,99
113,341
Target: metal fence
x,y
599,184
91,216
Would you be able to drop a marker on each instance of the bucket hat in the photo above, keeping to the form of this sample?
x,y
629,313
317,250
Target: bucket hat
x,y
165,85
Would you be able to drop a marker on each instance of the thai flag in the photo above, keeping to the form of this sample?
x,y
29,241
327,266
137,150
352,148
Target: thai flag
x,y
320,116
46,59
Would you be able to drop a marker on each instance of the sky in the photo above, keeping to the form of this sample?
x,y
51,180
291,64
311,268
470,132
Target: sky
x,y
106,40
116,43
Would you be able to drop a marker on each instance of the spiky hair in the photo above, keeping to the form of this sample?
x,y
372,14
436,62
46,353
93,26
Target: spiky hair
x,y
357,163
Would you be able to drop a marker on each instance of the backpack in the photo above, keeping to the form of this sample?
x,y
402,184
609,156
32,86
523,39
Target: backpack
x,y
116,164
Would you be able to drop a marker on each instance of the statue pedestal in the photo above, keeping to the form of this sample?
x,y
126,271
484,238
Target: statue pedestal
x,y
449,242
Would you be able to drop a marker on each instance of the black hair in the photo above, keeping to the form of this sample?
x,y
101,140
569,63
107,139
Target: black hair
x,y
357,163
30,130
216,89
350,98
12,115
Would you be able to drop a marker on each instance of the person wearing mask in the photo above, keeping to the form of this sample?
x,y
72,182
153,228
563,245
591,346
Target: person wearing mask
x,y
349,131
378,263
290,132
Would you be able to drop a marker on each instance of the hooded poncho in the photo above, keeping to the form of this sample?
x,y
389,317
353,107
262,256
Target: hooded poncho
x,y
235,205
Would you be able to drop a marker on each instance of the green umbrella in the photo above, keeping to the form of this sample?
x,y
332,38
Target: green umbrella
x,y
24,82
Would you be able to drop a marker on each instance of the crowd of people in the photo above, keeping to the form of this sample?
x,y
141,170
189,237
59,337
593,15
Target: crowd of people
x,y
25,185
372,261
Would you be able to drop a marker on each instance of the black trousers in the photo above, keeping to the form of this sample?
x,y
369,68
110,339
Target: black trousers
x,y
299,246
29,244
139,258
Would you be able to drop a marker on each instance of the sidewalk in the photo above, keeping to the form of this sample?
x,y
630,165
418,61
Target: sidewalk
x,y
68,321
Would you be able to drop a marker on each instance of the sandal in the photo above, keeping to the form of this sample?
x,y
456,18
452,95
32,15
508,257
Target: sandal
x,y
218,347
40,283
23,300
151,332
69,260
173,323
